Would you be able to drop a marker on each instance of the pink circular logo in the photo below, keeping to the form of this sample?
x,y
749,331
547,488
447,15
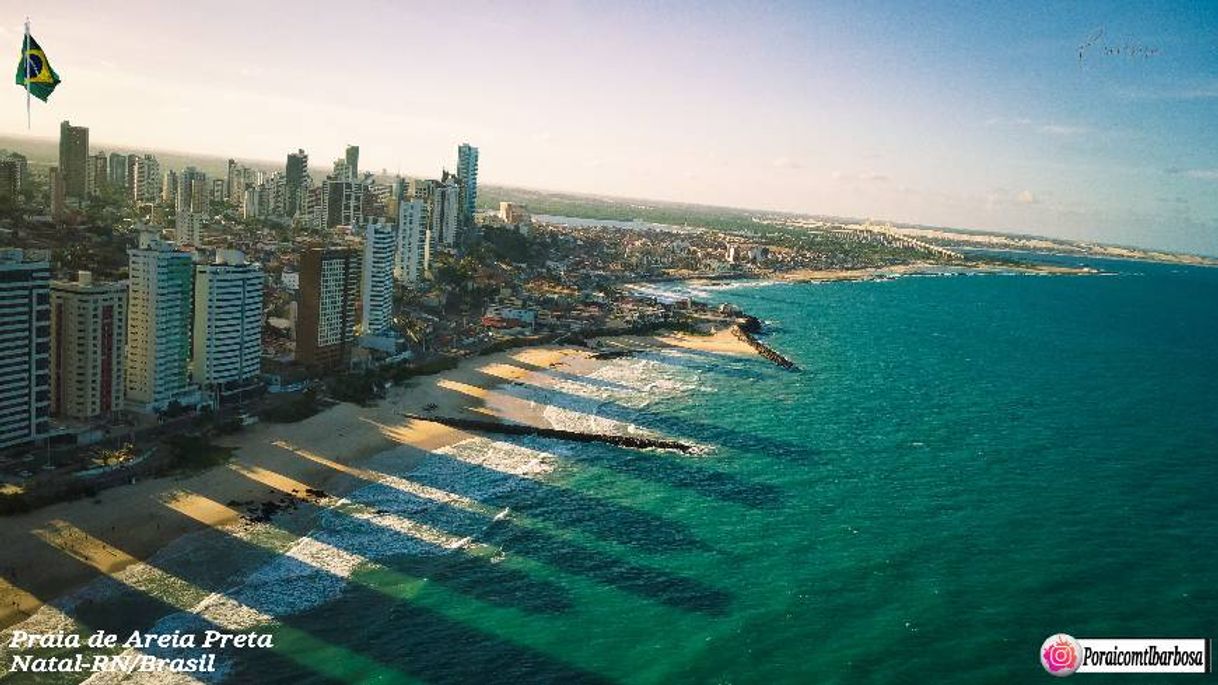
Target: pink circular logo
x,y
1060,655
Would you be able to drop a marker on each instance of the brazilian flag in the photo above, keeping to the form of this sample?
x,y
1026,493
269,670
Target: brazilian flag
x,y
35,67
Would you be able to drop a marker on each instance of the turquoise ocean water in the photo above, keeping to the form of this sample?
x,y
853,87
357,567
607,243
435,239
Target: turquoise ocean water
x,y
964,466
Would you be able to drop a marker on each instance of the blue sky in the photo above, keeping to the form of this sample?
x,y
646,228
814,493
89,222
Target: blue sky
x,y
960,114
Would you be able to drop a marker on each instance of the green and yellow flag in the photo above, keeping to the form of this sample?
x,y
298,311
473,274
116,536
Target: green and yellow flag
x,y
35,67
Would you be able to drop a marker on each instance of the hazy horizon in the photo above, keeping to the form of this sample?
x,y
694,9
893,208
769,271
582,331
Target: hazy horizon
x,y
956,117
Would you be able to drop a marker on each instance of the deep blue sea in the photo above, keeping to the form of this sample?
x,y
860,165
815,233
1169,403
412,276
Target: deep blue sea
x,y
964,466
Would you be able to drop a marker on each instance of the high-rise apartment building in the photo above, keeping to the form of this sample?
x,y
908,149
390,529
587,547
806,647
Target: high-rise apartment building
x,y
296,174
23,168
192,203
159,314
131,162
73,159
88,338
255,202
413,258
169,188
231,178
25,345
97,174
59,205
118,170
377,274
445,214
239,177
146,179
467,174
344,202
192,196
227,323
352,159
329,291
10,179
219,192
188,228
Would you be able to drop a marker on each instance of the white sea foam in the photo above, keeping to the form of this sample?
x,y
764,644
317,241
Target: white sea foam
x,y
669,292
613,397
439,507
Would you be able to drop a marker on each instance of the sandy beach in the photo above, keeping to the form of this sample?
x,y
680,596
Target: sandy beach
x,y
57,549
825,275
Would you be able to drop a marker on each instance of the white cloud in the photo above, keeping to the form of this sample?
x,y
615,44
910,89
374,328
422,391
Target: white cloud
x,y
786,163
1026,197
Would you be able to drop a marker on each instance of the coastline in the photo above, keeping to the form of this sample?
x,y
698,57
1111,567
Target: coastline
x,y
61,548
924,269
875,273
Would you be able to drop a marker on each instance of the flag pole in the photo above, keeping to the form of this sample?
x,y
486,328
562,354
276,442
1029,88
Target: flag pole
x,y
28,125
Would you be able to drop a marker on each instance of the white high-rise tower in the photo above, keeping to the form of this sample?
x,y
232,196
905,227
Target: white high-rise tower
x,y
227,323
158,325
25,340
377,290
413,258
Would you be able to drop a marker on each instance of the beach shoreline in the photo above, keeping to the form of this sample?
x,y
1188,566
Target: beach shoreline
x,y
875,273
57,550
924,269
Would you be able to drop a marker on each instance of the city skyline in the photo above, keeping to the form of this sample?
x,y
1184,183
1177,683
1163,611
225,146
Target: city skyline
x,y
1087,122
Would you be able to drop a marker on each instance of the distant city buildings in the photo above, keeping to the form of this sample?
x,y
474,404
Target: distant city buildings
x,y
329,292
88,338
227,323
514,214
25,342
187,327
